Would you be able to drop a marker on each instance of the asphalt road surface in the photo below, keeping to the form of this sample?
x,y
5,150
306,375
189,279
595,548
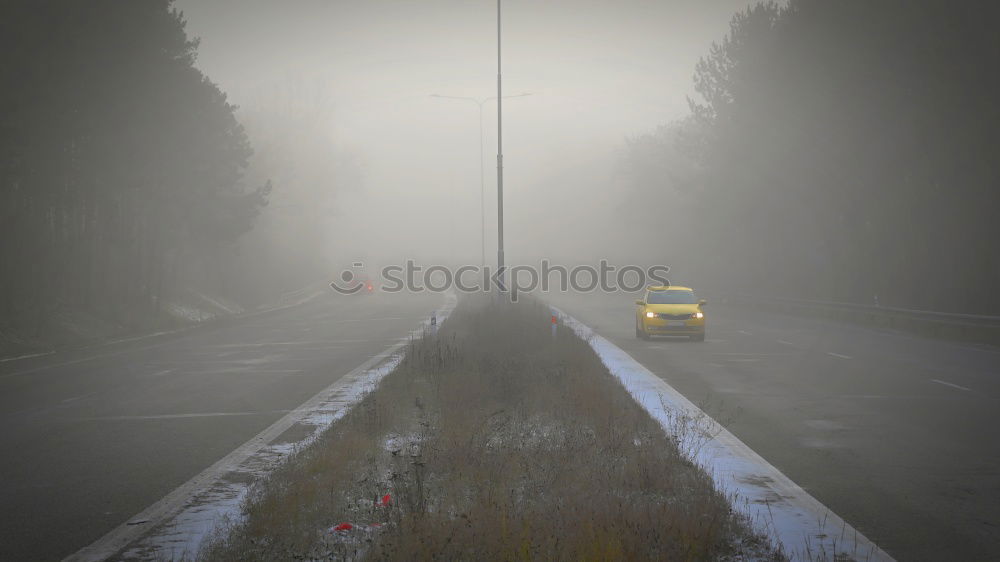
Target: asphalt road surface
x,y
895,433
94,436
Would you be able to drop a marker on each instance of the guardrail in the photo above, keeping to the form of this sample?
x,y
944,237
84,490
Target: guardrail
x,y
965,327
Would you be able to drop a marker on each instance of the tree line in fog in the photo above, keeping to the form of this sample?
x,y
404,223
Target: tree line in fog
x,y
121,165
837,149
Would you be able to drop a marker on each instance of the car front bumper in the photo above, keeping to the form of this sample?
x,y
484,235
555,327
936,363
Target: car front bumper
x,y
687,327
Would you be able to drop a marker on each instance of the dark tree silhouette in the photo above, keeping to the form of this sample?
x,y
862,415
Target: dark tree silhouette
x,y
120,163
849,149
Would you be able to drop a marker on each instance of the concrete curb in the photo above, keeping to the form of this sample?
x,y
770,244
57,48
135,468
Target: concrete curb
x,y
805,528
173,527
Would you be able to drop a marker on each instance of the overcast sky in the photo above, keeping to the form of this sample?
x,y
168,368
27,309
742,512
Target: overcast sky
x,y
598,71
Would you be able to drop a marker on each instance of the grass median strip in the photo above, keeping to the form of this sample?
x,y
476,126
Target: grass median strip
x,y
492,439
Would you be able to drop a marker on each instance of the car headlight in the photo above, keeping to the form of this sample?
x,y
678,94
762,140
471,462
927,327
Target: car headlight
x,y
650,315
698,315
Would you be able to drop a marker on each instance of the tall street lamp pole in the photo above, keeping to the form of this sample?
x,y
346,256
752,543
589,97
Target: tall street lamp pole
x,y
500,265
482,173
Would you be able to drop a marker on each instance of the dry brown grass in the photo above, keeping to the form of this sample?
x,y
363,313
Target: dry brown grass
x,y
496,441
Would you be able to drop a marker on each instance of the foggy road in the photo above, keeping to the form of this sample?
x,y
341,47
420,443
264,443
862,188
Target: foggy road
x,y
94,436
894,433
166,160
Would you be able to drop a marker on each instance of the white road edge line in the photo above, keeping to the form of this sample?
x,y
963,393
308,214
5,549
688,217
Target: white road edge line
x,y
80,397
28,356
775,505
326,406
184,416
953,385
134,339
838,355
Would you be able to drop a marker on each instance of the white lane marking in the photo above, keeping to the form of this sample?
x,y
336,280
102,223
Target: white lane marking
x,y
347,320
160,373
182,416
145,336
65,363
825,425
28,356
951,385
742,360
838,355
238,362
261,344
375,340
751,354
710,340
139,338
75,398
783,342
247,371
744,332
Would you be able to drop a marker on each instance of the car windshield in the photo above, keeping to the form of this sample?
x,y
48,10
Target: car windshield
x,y
670,297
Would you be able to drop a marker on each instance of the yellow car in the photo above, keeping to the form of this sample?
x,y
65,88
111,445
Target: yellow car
x,y
670,311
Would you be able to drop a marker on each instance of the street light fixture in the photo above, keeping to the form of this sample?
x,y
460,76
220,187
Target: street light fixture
x,y
482,178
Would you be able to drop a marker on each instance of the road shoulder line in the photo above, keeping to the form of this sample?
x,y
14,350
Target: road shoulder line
x,y
951,384
119,346
775,505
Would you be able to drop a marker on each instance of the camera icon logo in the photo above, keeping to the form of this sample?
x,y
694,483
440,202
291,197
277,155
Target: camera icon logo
x,y
349,282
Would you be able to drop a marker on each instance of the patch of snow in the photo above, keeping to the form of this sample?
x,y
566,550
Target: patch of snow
x,y
776,506
187,312
219,503
181,522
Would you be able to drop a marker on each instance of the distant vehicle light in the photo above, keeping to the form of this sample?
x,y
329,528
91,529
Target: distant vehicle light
x,y
650,315
698,315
